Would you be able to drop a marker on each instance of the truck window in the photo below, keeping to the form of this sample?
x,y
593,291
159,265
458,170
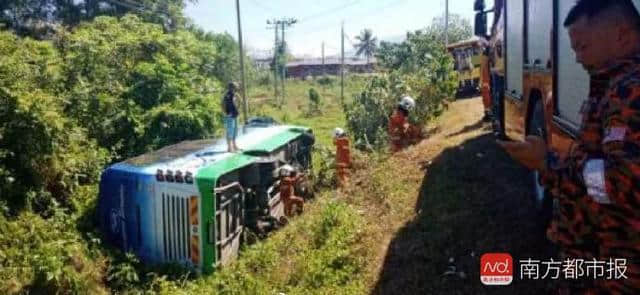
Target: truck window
x,y
514,40
539,31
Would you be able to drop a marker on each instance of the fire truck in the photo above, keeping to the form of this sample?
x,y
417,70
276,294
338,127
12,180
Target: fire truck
x,y
537,86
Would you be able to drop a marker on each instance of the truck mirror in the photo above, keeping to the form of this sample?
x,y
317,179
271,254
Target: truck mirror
x,y
478,5
480,26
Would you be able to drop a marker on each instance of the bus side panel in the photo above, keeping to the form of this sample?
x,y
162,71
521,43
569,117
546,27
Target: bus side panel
x,y
207,220
107,207
141,225
116,189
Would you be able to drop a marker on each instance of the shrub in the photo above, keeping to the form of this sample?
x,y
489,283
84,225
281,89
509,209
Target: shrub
x,y
326,80
46,256
314,103
431,86
324,167
59,156
136,88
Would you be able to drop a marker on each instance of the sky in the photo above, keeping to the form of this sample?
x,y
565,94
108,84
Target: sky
x,y
320,20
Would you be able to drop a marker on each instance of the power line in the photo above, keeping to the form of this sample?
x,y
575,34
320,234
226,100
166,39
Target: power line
x,y
329,11
331,25
262,6
137,6
349,39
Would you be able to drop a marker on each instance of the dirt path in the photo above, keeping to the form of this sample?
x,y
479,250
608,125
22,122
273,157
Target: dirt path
x,y
444,203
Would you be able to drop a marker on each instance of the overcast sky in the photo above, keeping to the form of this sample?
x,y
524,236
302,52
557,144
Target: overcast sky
x,y
320,21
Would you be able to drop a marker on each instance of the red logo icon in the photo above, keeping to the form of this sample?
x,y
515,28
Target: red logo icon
x,y
496,269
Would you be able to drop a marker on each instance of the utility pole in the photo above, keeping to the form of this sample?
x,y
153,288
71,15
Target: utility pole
x,y
275,59
245,105
284,66
323,58
446,23
342,68
282,24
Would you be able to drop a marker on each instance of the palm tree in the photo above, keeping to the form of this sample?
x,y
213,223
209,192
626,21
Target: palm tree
x,y
368,44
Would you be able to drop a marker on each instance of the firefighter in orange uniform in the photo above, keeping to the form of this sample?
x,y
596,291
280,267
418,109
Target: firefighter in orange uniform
x,y
399,124
343,156
485,90
598,185
288,180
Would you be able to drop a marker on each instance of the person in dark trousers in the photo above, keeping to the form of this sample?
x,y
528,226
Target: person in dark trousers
x,y
231,116
597,186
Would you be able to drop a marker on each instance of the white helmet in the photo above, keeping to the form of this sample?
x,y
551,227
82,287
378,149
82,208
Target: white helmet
x,y
407,103
337,132
286,170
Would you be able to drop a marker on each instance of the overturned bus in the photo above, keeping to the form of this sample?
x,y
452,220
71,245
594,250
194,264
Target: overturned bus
x,y
190,203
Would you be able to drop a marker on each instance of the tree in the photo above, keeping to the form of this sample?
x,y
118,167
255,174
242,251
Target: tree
x,y
42,18
459,29
422,45
368,44
136,88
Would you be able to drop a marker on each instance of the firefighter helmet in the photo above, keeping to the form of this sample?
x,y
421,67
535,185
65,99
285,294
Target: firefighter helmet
x,y
338,132
286,170
407,103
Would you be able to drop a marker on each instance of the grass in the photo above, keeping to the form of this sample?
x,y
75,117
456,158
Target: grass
x,y
295,107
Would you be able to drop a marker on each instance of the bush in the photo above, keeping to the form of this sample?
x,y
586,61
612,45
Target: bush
x,y
326,80
59,156
431,86
314,103
46,256
324,168
136,88
264,78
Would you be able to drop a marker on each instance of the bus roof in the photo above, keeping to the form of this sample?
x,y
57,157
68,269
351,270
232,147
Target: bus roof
x,y
194,155
473,41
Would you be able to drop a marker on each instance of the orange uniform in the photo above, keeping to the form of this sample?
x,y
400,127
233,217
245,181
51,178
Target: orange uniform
x,y
485,90
598,185
287,196
343,159
398,126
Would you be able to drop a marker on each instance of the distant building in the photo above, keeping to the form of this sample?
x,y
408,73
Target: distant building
x,y
262,63
302,68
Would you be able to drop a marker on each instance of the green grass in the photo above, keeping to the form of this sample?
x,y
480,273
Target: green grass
x,y
296,104
319,253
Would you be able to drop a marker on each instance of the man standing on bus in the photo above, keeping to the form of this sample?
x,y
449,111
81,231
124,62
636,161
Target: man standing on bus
x,y
598,185
231,116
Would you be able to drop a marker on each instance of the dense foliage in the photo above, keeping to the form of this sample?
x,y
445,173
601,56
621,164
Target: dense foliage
x,y
43,18
419,67
94,94
136,88
416,51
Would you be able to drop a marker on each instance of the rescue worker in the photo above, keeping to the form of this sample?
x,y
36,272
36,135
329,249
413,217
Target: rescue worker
x,y
288,180
485,80
399,124
343,156
598,185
